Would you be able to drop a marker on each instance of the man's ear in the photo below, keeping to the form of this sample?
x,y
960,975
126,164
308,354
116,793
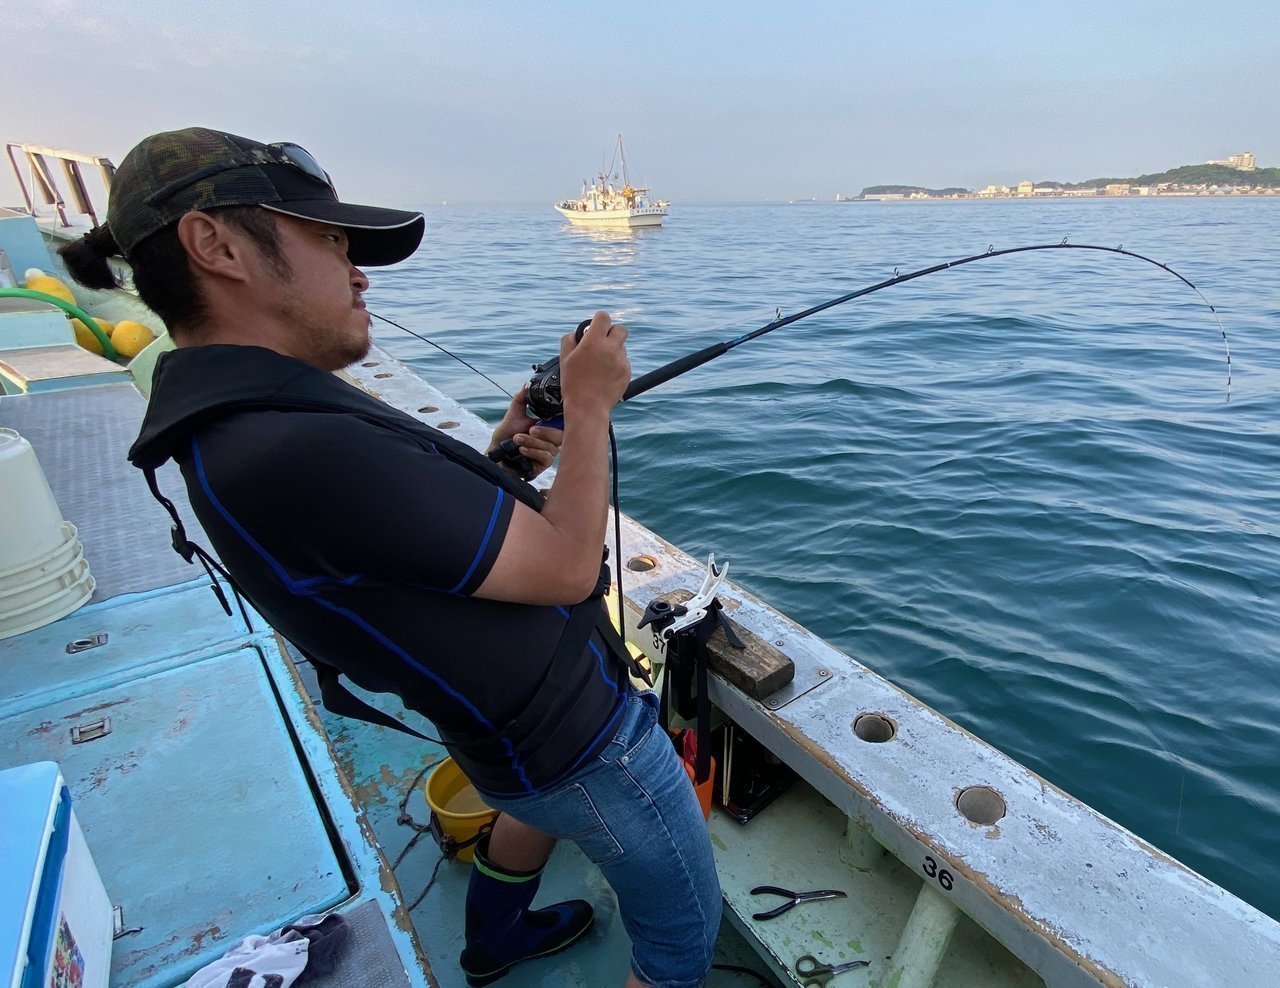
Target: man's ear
x,y
212,246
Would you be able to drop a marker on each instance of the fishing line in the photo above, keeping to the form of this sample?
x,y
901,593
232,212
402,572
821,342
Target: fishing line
x,y
472,367
444,351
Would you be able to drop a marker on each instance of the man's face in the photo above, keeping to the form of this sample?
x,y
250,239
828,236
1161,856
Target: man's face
x,y
322,296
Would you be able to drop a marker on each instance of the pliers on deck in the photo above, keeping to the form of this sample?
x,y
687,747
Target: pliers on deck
x,y
795,897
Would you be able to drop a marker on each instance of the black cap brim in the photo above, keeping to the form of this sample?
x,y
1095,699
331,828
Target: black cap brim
x,y
375,235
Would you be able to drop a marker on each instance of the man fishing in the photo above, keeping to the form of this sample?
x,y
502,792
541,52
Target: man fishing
x,y
390,553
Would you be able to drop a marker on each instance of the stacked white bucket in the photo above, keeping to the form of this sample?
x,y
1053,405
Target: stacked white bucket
x,y
43,572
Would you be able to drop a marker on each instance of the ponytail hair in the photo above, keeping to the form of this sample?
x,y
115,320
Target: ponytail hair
x,y
86,258
161,275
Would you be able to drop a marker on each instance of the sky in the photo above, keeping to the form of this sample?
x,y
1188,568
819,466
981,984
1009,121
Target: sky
x,y
411,103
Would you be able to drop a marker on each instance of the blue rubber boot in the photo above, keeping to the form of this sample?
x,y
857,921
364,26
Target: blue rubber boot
x,y
501,929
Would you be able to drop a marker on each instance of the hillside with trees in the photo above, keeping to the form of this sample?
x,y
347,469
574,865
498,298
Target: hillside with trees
x,y
906,190
1196,175
1184,175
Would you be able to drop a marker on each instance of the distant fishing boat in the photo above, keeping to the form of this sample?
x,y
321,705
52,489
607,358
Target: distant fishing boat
x,y
610,202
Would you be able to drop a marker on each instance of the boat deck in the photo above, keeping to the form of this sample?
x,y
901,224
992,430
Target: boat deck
x,y
386,770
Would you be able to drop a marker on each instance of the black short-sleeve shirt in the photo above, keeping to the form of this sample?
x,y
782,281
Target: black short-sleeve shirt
x,y
363,544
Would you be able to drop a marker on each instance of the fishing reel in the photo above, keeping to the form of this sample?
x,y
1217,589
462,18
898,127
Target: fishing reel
x,y
544,402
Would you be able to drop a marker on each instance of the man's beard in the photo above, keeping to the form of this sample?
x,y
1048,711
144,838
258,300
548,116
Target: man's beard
x,y
347,352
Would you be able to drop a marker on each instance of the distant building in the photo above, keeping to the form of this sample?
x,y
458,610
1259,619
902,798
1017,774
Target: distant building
x,y
1026,190
1245,162
1118,189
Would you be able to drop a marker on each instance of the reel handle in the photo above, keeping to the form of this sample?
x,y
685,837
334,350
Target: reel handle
x,y
507,452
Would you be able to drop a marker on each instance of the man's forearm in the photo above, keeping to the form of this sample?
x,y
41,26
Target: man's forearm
x,y
553,556
578,506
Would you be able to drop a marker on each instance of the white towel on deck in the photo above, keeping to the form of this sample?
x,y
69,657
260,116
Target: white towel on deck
x,y
256,962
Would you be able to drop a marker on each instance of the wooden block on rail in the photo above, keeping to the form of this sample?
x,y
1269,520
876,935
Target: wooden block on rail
x,y
759,670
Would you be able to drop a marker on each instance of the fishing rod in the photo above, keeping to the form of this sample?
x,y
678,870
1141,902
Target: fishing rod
x,y
543,399
545,403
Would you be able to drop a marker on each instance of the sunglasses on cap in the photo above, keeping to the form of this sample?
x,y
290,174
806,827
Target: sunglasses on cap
x,y
295,157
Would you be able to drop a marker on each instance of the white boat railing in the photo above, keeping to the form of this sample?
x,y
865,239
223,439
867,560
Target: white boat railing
x,y
35,168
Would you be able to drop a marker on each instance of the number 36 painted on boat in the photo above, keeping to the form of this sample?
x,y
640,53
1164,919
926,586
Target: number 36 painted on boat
x,y
941,874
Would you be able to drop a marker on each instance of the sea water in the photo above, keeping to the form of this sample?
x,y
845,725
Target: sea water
x,y
1023,489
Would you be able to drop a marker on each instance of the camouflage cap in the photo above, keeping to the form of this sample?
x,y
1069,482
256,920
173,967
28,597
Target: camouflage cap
x,y
170,174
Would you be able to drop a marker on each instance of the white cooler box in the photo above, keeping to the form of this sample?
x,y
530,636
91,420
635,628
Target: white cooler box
x,y
55,917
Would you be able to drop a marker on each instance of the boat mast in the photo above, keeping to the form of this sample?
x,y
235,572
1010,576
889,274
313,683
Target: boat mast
x,y
626,181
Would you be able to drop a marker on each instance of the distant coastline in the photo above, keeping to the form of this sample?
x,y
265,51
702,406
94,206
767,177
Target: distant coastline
x,y
1236,176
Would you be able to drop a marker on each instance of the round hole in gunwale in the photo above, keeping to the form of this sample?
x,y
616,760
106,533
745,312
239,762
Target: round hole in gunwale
x,y
981,805
875,728
641,564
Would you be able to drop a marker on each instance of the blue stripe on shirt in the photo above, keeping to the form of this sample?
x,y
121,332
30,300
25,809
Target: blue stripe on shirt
x,y
484,543
306,588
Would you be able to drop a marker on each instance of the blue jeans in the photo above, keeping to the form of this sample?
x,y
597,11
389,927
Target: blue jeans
x,y
633,811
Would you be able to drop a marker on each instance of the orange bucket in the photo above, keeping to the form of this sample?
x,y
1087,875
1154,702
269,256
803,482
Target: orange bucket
x,y
703,790
686,748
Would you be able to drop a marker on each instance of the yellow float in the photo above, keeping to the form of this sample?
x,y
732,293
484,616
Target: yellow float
x,y
86,338
131,338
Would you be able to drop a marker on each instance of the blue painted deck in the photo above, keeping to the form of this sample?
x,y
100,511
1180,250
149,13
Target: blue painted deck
x,y
195,806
